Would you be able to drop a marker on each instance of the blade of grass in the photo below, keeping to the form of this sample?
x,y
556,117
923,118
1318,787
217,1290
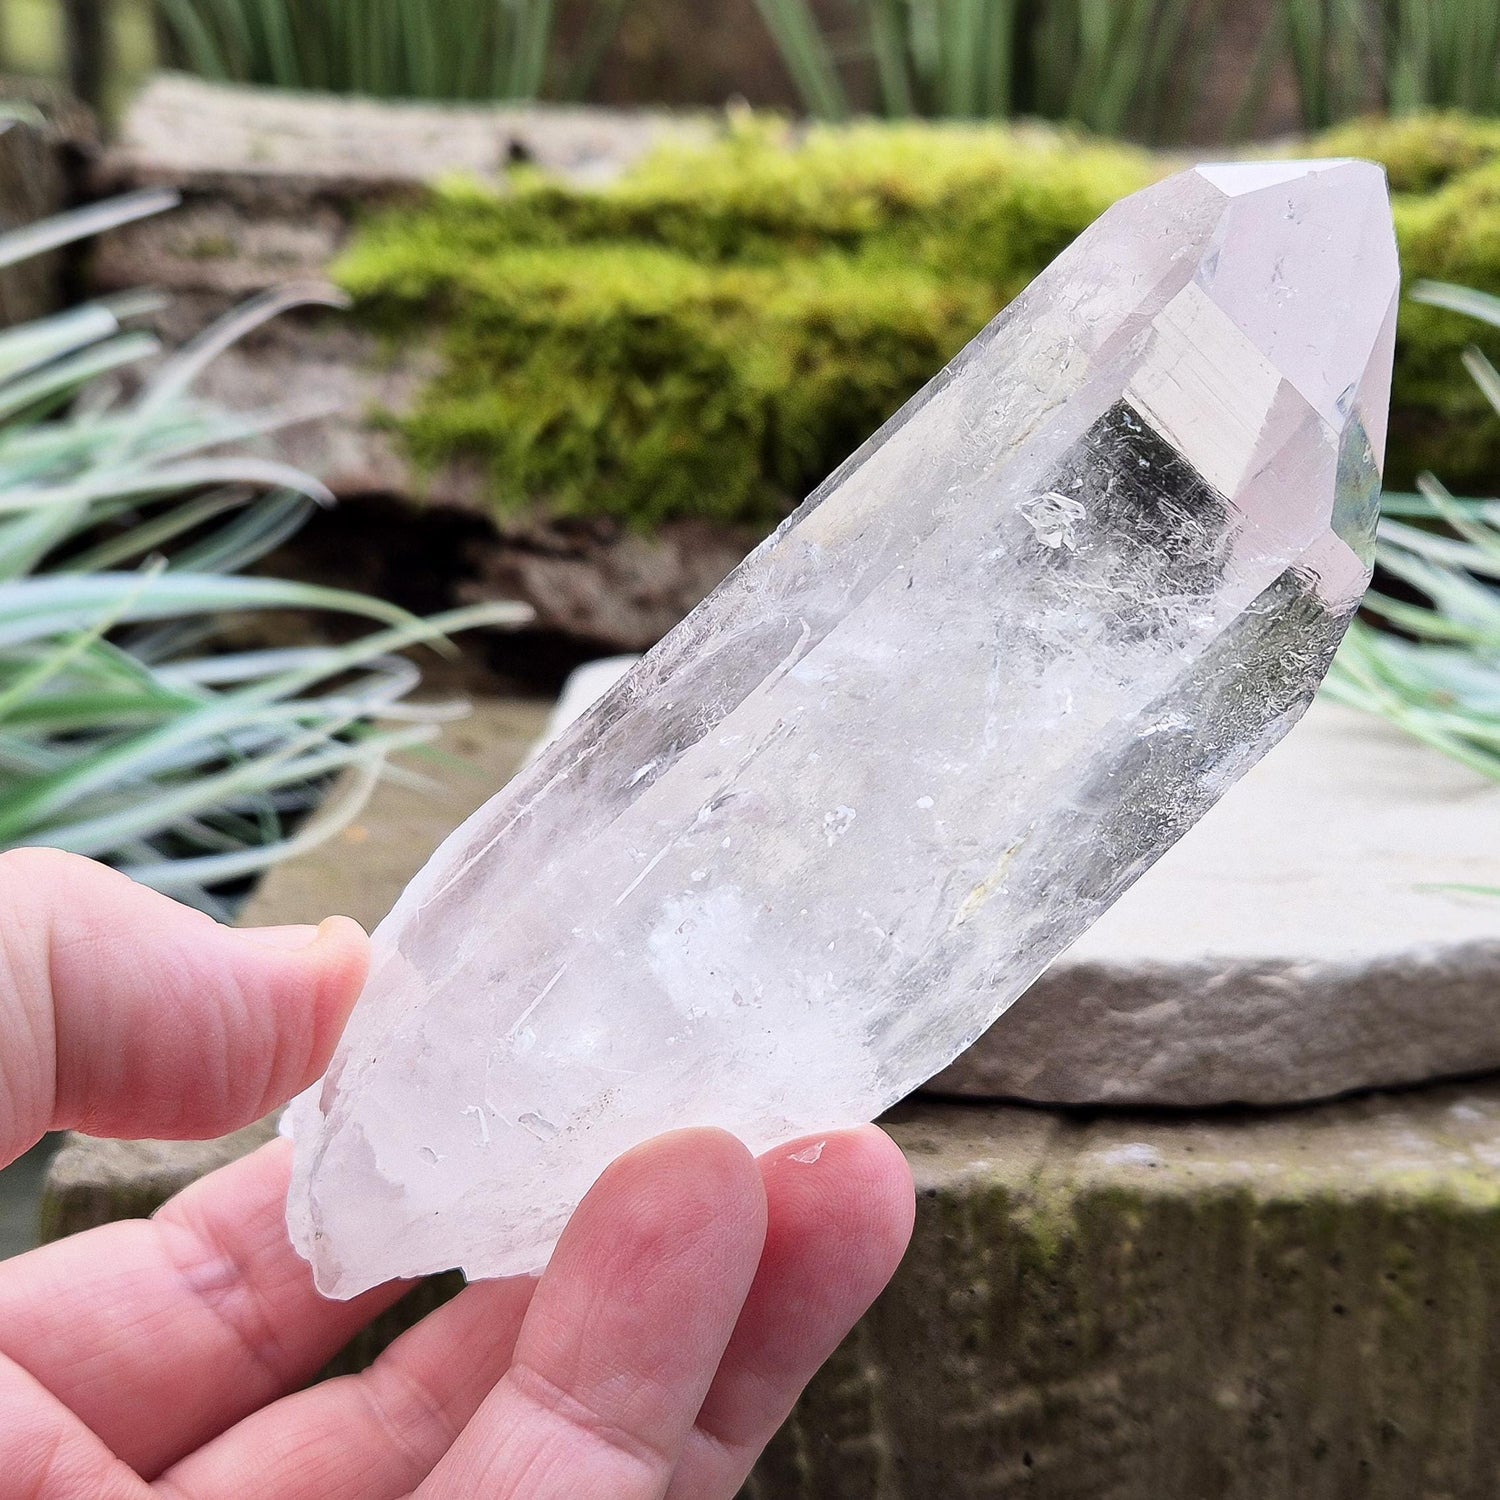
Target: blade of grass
x,y
331,820
1460,299
806,56
77,224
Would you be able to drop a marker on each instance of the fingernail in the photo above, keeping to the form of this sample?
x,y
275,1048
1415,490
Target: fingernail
x,y
289,939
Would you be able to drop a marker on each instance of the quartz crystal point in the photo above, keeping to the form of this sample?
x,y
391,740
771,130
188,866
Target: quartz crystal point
x,y
839,819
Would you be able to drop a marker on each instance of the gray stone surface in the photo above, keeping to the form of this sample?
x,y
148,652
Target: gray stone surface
x,y
91,1182
273,180
603,581
184,131
1240,1307
1303,941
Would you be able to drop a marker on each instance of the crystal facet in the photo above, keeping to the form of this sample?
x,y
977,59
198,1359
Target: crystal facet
x,y
830,828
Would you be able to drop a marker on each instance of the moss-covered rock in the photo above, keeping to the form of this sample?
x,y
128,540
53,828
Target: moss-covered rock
x,y
714,332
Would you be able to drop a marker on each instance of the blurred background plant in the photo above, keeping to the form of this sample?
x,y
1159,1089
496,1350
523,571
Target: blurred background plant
x,y
457,49
127,730
1348,57
1121,67
1426,655
1115,66
1135,67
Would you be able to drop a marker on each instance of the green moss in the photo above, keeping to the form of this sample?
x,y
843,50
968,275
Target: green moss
x,y
1419,152
713,334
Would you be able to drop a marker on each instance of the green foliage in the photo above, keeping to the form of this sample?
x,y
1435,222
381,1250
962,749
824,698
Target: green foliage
x,y
1348,56
1130,67
1115,66
1442,54
1435,669
1329,45
1120,67
428,49
808,56
714,333
124,521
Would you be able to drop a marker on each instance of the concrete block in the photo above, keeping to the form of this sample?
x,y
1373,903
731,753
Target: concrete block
x,y
1241,1307
92,1182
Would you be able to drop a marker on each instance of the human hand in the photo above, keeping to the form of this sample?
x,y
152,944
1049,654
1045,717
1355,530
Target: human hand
x,y
692,1296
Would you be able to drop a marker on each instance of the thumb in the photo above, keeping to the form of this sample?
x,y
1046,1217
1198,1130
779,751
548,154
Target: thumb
x,y
125,1013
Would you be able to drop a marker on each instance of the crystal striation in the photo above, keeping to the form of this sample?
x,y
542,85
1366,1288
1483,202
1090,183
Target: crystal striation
x,y
839,819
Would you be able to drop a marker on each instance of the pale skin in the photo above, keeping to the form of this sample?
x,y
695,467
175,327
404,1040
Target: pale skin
x,y
693,1295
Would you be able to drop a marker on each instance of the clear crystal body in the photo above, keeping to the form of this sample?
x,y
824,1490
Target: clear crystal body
x,y
837,821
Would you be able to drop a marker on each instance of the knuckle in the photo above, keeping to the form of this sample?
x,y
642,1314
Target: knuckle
x,y
37,867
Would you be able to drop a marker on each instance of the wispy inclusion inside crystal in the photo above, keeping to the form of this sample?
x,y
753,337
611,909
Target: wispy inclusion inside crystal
x,y
823,835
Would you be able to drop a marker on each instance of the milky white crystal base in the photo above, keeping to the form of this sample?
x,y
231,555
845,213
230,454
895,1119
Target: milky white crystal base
x,y
815,842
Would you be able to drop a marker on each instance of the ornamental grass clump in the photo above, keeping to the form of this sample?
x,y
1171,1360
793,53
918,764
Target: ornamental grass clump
x,y
1347,57
1122,67
127,730
422,49
1427,654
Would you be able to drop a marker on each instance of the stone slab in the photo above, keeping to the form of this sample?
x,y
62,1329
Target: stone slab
x,y
1303,941
187,132
1131,1306
274,180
